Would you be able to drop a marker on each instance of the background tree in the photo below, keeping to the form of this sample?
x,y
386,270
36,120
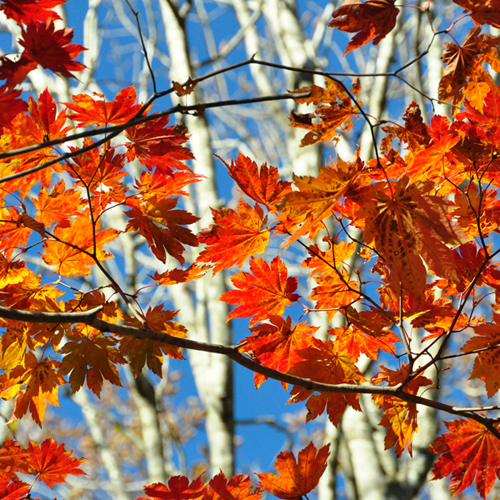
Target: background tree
x,y
281,34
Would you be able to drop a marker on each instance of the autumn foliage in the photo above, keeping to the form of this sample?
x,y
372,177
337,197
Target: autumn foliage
x,y
398,244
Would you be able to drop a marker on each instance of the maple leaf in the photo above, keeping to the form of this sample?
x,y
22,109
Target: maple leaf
x,y
57,205
469,451
276,344
67,251
156,145
164,185
414,133
13,234
97,169
10,105
92,357
334,291
30,11
162,226
330,365
374,19
174,276
185,88
144,351
296,478
16,490
260,184
337,115
366,334
51,49
267,292
51,463
13,459
486,366
464,62
237,488
400,417
315,201
14,70
178,488
482,11
407,226
235,236
89,111
43,383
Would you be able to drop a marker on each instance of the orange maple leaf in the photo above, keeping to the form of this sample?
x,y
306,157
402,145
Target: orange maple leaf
x,y
367,334
414,133
12,460
260,184
337,115
43,381
51,463
174,276
97,169
296,478
235,236
469,451
374,19
66,251
178,488
164,185
464,63
276,344
237,488
57,205
315,201
407,227
51,49
267,292
400,417
93,358
90,111
486,366
144,351
326,362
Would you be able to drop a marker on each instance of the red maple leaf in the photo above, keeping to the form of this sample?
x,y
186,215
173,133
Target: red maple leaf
x,y
296,478
374,19
326,362
262,294
162,225
482,11
469,451
261,184
156,145
237,488
51,49
276,344
51,463
10,105
30,11
178,488
90,111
